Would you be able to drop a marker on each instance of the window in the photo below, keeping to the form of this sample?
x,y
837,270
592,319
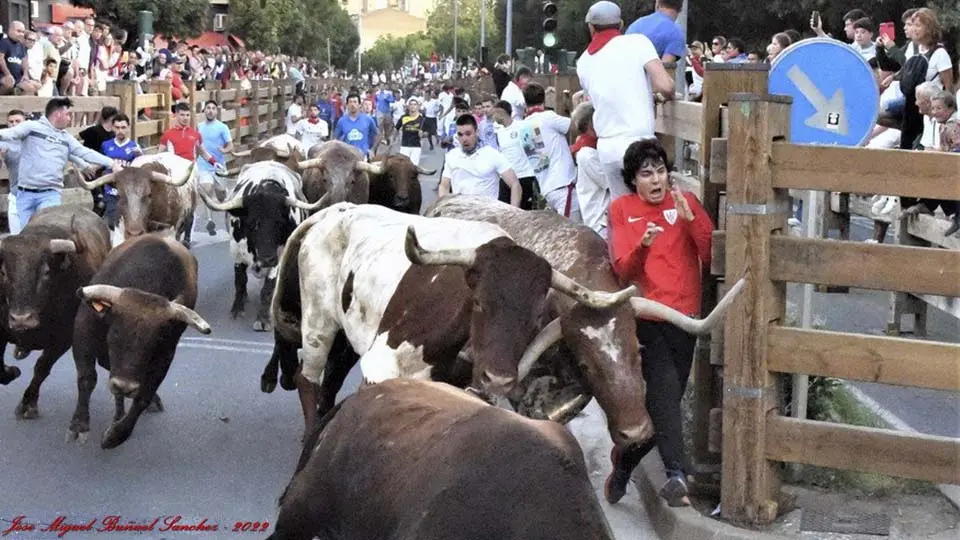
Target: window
x,y
220,21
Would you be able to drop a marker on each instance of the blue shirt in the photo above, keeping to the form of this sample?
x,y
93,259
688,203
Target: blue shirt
x,y
122,152
215,135
326,110
384,100
663,32
359,133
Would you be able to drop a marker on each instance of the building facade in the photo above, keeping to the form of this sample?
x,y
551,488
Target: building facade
x,y
387,17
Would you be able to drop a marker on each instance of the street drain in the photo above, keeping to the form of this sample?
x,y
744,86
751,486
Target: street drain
x,y
845,522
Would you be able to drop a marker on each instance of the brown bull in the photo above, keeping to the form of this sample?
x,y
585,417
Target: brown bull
x,y
395,183
337,169
151,199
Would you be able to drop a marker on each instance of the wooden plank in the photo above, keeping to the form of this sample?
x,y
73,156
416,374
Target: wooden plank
x,y
749,482
866,170
228,115
150,127
30,104
880,359
681,119
149,101
868,266
908,455
228,95
718,161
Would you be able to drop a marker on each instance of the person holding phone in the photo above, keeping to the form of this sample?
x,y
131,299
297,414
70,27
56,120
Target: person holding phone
x,y
659,240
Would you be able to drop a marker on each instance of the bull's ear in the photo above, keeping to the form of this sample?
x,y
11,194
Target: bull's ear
x,y
472,277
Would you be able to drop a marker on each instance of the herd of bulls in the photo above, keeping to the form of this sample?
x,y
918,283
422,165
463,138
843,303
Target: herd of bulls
x,y
516,306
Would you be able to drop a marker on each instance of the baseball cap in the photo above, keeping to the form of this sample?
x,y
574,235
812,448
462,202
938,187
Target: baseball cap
x,y
603,13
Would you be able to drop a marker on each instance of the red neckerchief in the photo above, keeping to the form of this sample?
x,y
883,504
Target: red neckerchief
x,y
533,109
585,140
314,120
600,39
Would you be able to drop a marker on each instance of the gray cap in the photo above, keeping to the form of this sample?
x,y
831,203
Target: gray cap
x,y
603,13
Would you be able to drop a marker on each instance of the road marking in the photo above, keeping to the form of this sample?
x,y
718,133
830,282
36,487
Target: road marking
x,y
885,414
228,341
224,348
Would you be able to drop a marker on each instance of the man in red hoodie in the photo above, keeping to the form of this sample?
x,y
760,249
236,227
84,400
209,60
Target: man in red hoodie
x,y
659,240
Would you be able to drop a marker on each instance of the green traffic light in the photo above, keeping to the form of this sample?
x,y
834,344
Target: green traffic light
x,y
549,40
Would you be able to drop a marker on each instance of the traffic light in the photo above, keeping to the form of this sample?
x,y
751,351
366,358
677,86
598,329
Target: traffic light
x,y
549,23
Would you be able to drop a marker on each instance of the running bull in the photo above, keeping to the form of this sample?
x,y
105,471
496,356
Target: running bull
x,y
266,206
409,310
416,459
395,183
156,192
130,323
40,269
283,148
602,341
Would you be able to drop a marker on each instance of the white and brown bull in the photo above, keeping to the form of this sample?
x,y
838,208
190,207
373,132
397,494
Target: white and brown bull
x,y
336,169
156,193
284,148
264,208
602,341
409,311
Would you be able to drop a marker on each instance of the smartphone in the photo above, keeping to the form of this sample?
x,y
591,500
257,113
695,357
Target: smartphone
x,y
815,20
888,31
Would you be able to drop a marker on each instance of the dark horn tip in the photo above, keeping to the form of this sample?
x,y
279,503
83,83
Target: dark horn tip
x,y
80,293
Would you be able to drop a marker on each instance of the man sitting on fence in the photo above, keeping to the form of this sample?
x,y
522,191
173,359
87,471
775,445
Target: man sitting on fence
x,y
10,152
45,149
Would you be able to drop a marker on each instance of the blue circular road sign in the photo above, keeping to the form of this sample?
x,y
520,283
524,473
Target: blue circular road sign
x,y
835,95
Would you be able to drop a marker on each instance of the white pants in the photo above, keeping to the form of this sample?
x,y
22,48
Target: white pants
x,y
557,199
412,153
611,151
13,219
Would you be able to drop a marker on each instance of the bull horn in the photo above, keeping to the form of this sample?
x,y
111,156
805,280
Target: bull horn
x,y
372,168
310,163
99,182
175,183
644,307
417,255
564,413
587,297
232,204
188,316
309,207
102,293
550,334
58,245
428,172
283,152
160,177
240,153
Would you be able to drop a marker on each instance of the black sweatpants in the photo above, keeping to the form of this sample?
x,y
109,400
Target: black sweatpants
x,y
667,355
529,186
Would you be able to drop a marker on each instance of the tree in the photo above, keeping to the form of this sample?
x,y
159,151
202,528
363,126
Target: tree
x,y
389,52
170,17
440,28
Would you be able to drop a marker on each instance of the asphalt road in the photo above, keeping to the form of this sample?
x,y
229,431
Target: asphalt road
x,y
222,451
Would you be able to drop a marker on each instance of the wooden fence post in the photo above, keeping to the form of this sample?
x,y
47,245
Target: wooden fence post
x,y
163,88
127,92
253,109
755,211
719,82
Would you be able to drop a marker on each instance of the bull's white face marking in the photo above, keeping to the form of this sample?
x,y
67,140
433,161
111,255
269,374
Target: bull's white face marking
x,y
605,338
382,363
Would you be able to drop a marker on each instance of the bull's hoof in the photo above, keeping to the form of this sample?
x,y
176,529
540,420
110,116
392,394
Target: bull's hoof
x,y
80,437
185,243
20,353
268,384
9,374
261,326
156,406
27,412
113,437
287,382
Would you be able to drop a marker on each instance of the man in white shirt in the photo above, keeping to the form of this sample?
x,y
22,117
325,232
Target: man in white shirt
x,y
513,93
617,72
593,193
548,149
312,130
509,133
476,170
294,114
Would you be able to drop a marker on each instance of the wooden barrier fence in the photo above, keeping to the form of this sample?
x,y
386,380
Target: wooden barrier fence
x,y
745,164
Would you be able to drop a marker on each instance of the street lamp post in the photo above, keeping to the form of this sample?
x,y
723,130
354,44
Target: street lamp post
x,y
483,32
509,33
456,22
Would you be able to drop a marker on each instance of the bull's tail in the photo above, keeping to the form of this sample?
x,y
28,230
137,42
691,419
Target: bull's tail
x,y
285,305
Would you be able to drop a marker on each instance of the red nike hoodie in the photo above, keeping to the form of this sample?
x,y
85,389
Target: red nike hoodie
x,y
669,270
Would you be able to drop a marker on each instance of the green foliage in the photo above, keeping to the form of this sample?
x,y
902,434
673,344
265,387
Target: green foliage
x,y
440,28
170,17
390,52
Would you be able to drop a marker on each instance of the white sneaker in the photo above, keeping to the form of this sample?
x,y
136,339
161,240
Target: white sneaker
x,y
793,222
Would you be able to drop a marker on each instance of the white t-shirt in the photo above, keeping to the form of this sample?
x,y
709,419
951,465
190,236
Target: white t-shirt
x,y
295,111
513,95
311,134
431,108
938,62
616,80
510,141
551,157
446,99
477,173
592,190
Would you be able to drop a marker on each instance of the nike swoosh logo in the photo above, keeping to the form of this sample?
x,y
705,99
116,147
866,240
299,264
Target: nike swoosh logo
x,y
633,219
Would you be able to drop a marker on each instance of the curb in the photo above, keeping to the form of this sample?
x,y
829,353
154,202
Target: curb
x,y
683,523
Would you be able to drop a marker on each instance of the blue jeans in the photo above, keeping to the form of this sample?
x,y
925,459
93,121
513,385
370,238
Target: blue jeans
x,y
28,202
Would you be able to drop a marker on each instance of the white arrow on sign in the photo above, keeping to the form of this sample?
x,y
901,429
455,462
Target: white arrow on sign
x,y
831,115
